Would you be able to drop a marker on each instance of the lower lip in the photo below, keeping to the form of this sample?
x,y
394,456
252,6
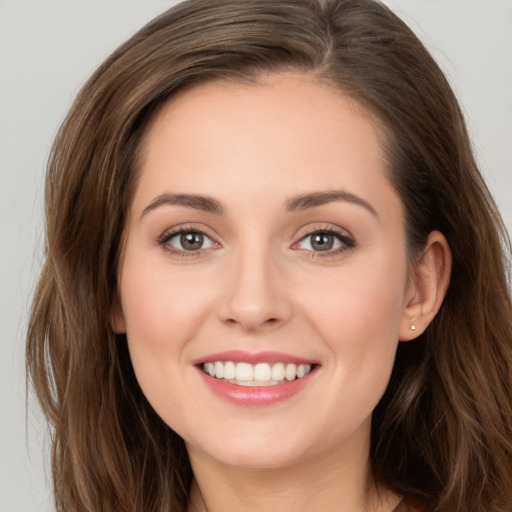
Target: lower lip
x,y
255,396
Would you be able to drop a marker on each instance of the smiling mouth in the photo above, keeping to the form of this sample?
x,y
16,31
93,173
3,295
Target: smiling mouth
x,y
260,374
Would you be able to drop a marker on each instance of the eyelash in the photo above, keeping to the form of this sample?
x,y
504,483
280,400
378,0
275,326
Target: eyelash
x,y
166,237
346,241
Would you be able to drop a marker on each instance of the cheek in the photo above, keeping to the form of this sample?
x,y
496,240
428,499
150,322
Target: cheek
x,y
358,312
361,298
159,306
163,312
358,318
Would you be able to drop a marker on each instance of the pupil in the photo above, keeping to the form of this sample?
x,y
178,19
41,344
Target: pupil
x,y
191,241
322,242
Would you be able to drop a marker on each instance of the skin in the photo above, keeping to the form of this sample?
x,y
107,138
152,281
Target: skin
x,y
258,284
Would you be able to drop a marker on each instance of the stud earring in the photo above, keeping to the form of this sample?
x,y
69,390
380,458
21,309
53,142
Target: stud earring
x,y
413,327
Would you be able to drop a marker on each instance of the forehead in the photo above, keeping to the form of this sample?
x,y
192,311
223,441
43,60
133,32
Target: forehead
x,y
285,134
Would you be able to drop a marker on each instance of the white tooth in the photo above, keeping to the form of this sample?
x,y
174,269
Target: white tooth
x,y
219,370
244,371
262,371
229,370
210,369
278,371
291,371
308,368
301,370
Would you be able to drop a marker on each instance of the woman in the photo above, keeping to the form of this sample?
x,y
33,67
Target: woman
x,y
249,205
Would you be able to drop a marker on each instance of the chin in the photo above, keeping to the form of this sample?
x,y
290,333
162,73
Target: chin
x,y
252,451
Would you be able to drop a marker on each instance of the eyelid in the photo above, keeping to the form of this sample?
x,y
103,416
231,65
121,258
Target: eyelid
x,y
164,239
346,239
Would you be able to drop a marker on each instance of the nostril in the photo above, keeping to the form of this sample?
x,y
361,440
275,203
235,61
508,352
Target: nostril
x,y
252,326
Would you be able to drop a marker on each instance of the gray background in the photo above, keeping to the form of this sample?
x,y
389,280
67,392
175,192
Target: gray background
x,y
48,48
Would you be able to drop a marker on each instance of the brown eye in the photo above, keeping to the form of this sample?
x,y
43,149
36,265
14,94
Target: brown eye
x,y
184,241
322,241
327,241
191,241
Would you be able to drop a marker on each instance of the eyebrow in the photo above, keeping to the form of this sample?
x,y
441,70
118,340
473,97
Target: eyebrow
x,y
203,203
315,199
298,203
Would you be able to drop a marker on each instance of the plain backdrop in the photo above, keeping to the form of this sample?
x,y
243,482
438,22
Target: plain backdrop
x,y
47,50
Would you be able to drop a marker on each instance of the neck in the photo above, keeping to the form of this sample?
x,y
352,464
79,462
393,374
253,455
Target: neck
x,y
334,482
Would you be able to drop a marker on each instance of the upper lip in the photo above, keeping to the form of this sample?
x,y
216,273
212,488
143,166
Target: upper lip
x,y
253,357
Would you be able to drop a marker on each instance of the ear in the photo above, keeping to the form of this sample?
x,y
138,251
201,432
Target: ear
x,y
117,321
429,280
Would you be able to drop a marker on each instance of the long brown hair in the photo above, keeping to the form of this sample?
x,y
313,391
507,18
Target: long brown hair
x,y
443,430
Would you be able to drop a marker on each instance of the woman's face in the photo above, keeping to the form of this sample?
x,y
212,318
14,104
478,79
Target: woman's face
x,y
264,242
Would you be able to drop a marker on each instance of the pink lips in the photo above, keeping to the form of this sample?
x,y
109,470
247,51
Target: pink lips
x,y
256,396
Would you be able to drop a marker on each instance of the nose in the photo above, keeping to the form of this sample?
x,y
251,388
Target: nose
x,y
255,294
